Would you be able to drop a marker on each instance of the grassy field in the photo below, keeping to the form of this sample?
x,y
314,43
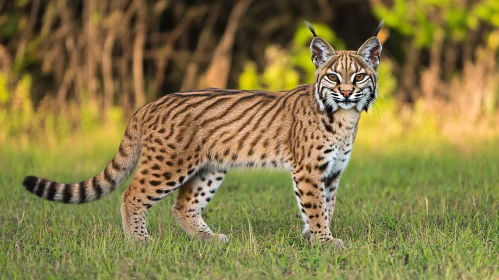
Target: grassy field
x,y
407,209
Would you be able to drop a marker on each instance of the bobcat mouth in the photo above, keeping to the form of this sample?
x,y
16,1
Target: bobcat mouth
x,y
347,101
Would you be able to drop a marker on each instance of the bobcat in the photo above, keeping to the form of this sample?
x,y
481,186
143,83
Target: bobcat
x,y
188,141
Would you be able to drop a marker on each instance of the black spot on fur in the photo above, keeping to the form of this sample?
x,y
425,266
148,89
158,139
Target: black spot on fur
x,y
155,183
160,158
323,166
152,198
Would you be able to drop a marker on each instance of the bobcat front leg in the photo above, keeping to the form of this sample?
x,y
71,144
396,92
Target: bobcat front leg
x,y
310,194
331,183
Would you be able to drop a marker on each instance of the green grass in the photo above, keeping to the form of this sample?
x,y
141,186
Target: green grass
x,y
405,210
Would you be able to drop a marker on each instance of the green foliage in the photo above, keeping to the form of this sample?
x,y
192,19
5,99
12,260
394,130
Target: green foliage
x,y
4,91
279,75
387,83
21,3
9,25
16,109
421,19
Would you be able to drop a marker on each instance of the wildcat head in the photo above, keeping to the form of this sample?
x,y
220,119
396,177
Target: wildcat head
x,y
346,79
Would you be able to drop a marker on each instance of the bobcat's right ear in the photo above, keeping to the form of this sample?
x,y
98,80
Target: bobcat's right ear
x,y
321,51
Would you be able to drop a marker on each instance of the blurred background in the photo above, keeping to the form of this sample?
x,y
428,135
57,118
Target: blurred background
x,y
84,66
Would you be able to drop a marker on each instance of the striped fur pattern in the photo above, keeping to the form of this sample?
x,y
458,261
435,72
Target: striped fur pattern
x,y
188,140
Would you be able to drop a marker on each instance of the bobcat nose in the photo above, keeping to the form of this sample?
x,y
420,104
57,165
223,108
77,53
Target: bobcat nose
x,y
346,92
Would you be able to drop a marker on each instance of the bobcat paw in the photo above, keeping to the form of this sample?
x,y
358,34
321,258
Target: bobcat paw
x,y
307,235
143,238
222,238
335,243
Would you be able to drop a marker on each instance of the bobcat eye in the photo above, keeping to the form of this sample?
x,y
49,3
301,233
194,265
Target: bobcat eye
x,y
333,78
359,77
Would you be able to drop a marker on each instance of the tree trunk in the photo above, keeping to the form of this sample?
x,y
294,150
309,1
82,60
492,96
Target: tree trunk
x,y
218,71
138,53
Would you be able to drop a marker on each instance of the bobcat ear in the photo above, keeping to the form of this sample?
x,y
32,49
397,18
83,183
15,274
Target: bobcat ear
x,y
370,52
371,49
321,51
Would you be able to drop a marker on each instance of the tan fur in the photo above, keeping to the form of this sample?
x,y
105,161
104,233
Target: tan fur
x,y
188,140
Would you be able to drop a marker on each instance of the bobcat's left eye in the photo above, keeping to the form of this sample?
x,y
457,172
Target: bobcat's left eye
x,y
359,77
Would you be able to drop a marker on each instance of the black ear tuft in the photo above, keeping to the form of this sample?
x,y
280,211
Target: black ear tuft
x,y
311,28
380,25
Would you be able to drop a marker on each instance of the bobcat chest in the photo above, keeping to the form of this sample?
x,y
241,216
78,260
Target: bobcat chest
x,y
342,135
342,152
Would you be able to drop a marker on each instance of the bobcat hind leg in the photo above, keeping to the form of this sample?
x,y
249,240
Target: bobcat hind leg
x,y
193,198
145,191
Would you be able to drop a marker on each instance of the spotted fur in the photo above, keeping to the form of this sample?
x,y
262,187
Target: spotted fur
x,y
188,140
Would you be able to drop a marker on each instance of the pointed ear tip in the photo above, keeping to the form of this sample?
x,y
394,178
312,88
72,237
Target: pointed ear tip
x,y
375,40
371,44
316,39
321,41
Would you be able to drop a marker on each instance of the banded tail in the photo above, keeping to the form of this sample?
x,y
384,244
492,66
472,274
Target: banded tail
x,y
106,181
